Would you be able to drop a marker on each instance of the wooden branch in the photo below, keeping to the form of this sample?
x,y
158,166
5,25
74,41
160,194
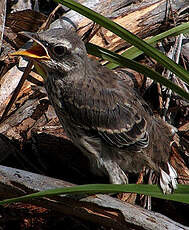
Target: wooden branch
x,y
98,208
143,18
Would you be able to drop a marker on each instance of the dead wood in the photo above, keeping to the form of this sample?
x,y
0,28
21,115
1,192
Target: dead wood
x,y
97,208
143,18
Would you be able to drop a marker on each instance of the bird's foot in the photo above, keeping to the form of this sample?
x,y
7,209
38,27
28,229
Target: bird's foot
x,y
168,182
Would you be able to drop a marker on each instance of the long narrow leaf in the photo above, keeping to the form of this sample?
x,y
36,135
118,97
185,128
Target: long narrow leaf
x,y
128,36
134,52
180,195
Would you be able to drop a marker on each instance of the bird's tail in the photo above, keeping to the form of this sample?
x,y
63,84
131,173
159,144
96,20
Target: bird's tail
x,y
161,151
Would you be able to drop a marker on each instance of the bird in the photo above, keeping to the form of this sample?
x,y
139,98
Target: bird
x,y
104,117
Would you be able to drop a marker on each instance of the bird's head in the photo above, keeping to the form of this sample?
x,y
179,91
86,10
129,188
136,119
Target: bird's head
x,y
56,49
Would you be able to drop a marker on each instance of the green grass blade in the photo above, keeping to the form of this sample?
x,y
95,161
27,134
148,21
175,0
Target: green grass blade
x,y
134,52
128,36
124,62
181,194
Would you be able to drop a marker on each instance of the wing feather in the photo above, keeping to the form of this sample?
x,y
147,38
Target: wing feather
x,y
116,114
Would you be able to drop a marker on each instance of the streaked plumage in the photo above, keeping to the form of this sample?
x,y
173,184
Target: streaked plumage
x,y
101,114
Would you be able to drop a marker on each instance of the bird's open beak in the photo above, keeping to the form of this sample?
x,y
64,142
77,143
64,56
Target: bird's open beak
x,y
37,51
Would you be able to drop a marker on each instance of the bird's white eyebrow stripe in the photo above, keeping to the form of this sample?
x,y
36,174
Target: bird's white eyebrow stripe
x,y
67,44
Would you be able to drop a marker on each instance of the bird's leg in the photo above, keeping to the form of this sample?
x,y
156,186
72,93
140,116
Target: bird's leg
x,y
115,173
148,199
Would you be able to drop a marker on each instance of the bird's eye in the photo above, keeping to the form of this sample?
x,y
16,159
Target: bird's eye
x,y
60,50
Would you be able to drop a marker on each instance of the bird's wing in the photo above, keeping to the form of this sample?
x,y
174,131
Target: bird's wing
x,y
115,113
